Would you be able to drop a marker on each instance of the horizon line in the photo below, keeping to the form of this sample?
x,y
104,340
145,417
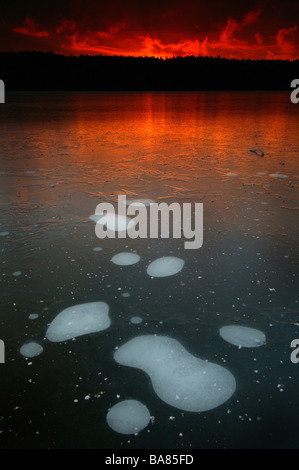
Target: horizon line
x,y
146,57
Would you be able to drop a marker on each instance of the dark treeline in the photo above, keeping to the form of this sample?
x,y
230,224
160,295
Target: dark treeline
x,y
37,71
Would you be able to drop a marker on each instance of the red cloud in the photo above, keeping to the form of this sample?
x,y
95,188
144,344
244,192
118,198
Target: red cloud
x,y
30,28
288,41
237,39
155,47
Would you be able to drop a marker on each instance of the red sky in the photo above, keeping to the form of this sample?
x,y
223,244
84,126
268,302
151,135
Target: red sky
x,y
165,28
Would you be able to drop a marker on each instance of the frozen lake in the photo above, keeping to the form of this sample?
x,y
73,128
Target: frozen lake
x,y
61,155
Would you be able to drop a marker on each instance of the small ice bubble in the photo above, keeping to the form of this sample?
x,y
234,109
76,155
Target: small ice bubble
x,y
125,259
31,349
128,417
33,316
243,336
126,295
79,320
165,266
136,320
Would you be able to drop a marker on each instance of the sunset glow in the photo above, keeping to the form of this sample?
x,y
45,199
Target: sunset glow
x,y
263,30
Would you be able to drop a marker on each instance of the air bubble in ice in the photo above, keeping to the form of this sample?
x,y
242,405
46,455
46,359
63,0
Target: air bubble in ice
x,y
79,320
125,259
178,378
128,417
243,336
165,266
31,349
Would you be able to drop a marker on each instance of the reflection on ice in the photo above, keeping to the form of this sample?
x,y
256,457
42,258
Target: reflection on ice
x,y
178,378
128,417
79,320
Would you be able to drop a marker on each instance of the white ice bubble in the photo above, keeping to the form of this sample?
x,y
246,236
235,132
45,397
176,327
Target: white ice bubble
x,y
126,295
136,320
113,222
125,259
243,336
33,316
178,378
97,248
79,320
140,202
31,349
165,266
17,273
275,175
128,417
4,234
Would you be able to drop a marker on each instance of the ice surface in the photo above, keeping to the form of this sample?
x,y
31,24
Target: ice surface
x,y
79,320
125,259
243,336
31,349
128,417
165,266
178,378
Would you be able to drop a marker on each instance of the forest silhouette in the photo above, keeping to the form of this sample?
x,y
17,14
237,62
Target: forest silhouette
x,y
39,71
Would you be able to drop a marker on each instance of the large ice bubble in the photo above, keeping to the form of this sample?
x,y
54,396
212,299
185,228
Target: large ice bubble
x,y
31,349
178,378
128,417
125,259
79,320
165,266
243,336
